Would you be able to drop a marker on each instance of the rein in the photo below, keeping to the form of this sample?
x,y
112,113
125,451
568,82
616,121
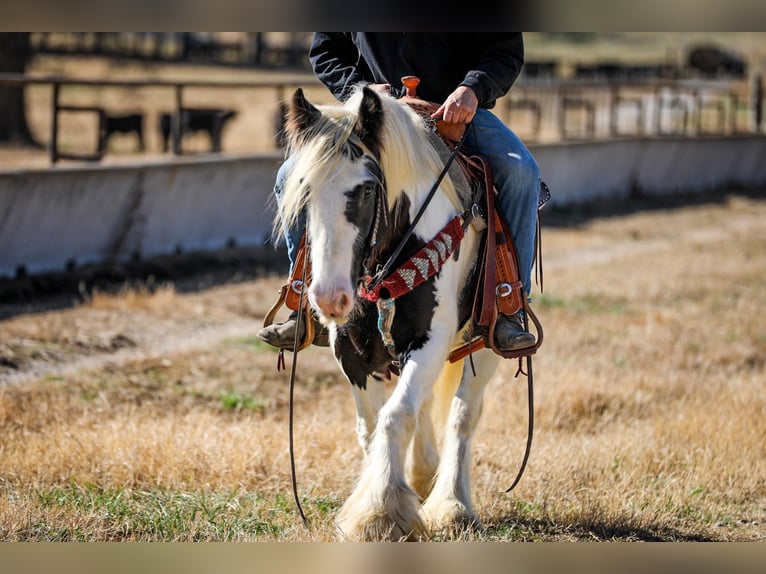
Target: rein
x,y
291,401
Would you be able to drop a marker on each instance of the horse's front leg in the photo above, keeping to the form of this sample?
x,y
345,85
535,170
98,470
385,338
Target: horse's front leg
x,y
423,458
383,506
448,506
369,401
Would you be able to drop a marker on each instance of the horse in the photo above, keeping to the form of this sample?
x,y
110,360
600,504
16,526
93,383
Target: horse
x,y
362,171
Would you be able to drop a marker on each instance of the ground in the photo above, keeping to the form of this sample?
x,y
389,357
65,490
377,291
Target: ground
x,y
151,412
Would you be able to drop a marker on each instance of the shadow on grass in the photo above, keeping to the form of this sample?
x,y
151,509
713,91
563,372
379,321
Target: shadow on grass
x,y
187,272
526,529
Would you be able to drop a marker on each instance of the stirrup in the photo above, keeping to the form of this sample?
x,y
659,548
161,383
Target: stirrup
x,y
306,318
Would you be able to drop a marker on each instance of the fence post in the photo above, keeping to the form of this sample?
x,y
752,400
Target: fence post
x,y
53,146
177,123
758,102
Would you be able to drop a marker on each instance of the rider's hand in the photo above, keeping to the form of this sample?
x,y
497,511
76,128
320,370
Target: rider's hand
x,y
459,107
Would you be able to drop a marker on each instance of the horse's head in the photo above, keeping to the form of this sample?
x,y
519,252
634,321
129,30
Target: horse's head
x,y
337,179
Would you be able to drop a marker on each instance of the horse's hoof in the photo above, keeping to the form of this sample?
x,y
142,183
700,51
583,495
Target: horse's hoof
x,y
380,529
452,520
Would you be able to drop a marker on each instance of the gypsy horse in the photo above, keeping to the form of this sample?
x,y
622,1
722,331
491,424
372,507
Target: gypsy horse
x,y
362,171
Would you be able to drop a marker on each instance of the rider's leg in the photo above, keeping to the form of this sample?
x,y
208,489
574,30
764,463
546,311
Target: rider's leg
x,y
517,179
283,334
292,234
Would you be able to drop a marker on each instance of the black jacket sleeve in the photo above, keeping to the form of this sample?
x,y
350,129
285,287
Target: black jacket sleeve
x,y
496,66
336,62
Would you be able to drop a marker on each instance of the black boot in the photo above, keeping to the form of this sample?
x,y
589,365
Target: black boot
x,y
510,334
282,335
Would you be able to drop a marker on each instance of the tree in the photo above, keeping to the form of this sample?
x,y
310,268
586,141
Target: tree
x,y
15,54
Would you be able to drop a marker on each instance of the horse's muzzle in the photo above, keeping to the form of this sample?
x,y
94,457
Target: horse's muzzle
x,y
333,305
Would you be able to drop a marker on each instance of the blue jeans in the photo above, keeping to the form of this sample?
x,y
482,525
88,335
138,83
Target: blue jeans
x,y
517,179
292,235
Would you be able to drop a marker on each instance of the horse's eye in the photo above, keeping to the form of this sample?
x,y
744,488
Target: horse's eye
x,y
362,192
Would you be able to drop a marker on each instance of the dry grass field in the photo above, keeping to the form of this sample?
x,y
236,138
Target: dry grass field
x,y
154,415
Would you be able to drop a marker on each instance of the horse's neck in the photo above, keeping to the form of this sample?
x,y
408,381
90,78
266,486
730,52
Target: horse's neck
x,y
437,213
442,206
412,162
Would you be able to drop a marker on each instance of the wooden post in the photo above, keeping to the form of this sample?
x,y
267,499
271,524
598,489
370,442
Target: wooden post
x,y
758,103
176,123
53,146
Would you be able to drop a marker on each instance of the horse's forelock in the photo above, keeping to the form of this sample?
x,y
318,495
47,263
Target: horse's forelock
x,y
317,152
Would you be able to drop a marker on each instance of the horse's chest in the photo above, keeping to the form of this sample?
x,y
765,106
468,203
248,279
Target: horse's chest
x,y
359,345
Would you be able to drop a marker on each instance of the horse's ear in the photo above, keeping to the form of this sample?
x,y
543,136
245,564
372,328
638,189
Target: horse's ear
x,y
370,120
301,115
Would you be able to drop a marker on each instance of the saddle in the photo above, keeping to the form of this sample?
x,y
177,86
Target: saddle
x,y
290,295
450,133
498,286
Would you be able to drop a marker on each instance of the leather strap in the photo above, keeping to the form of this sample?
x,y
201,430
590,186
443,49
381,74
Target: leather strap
x,y
290,295
499,288
487,313
297,279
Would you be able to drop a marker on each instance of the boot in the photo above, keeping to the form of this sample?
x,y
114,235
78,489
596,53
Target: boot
x,y
510,334
282,335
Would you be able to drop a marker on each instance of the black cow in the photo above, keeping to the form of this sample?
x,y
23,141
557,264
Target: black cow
x,y
210,120
712,61
125,124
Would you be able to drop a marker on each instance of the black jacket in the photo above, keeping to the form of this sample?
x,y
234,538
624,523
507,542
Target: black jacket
x,y
488,63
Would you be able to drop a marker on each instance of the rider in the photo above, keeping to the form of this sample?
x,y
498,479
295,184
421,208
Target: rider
x,y
467,72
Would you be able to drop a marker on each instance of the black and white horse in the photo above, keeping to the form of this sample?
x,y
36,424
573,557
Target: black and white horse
x,y
362,171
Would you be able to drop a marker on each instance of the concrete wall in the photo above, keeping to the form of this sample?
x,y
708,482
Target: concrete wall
x,y
100,214
583,172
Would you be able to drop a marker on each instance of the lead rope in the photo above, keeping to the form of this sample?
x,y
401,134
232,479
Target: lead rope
x,y
292,391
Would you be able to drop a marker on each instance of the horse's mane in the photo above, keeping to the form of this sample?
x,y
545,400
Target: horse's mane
x,y
409,159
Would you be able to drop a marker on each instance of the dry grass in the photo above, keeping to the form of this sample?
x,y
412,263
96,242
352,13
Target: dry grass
x,y
152,415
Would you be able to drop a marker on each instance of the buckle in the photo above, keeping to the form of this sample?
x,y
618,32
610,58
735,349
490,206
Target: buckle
x,y
297,286
478,222
503,289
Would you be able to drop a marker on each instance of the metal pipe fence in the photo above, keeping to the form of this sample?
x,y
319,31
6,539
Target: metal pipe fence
x,y
540,111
